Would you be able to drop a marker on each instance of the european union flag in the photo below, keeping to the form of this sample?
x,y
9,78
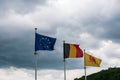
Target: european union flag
x,y
44,42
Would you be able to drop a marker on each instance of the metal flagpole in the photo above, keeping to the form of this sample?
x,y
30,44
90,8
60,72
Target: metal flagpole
x,y
35,65
85,72
64,62
64,69
85,66
35,58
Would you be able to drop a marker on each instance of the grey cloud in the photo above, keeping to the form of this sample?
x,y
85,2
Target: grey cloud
x,y
102,28
19,52
20,6
17,45
107,30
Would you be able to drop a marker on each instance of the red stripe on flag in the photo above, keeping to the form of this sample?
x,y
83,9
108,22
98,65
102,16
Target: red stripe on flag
x,y
79,52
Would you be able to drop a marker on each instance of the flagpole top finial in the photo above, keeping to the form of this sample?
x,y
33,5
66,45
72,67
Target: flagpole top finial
x,y
35,28
35,53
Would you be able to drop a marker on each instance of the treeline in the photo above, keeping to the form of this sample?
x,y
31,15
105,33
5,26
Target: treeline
x,y
109,74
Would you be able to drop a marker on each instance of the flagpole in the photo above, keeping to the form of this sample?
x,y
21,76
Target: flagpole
x,y
35,58
64,69
64,62
85,66
85,72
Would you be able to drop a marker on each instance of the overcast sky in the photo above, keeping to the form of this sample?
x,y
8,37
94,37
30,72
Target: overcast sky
x,y
93,24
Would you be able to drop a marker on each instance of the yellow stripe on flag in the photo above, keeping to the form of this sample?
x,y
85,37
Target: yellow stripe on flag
x,y
72,51
90,60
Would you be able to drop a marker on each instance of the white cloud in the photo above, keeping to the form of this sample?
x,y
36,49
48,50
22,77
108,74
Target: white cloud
x,y
15,20
89,41
76,21
62,12
109,53
26,74
14,73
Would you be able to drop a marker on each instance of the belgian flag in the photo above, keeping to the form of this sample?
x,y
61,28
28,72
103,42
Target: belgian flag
x,y
72,51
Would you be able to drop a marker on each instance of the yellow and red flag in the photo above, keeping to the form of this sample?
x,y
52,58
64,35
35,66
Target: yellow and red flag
x,y
90,60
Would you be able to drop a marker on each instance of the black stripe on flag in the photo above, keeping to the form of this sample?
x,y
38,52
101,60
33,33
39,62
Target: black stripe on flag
x,y
66,50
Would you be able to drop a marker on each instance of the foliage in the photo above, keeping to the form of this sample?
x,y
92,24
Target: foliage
x,y
109,74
